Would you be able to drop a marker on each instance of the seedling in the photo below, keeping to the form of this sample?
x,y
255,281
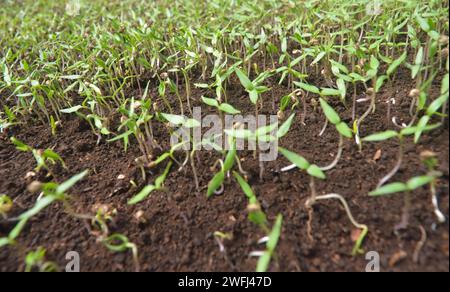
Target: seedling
x,y
36,259
145,192
42,157
271,244
315,172
215,186
383,136
51,192
256,215
341,127
254,88
429,159
406,188
120,243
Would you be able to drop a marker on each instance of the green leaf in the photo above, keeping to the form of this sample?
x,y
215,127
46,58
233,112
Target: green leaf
x,y
263,262
420,128
394,65
248,85
419,57
38,207
419,181
330,92
285,127
244,186
230,159
17,229
210,101
296,159
254,96
20,145
341,67
142,195
436,105
318,58
239,133
381,136
315,171
73,109
330,113
308,87
344,130
380,82
423,23
266,129
342,88
192,123
65,186
389,189
374,63
257,217
6,76
174,119
4,242
275,234
215,183
53,156
229,109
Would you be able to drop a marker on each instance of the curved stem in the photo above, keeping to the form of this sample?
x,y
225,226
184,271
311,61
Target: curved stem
x,y
435,202
338,155
324,127
396,167
365,229
362,118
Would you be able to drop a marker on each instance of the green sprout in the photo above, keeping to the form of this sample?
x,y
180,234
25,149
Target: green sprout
x,y
271,245
256,215
42,157
120,243
36,259
51,193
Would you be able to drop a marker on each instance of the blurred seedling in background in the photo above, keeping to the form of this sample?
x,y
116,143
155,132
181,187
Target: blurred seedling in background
x,y
42,157
120,243
51,193
271,242
36,260
255,213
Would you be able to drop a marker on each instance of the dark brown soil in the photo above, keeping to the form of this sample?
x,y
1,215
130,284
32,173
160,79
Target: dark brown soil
x,y
178,233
